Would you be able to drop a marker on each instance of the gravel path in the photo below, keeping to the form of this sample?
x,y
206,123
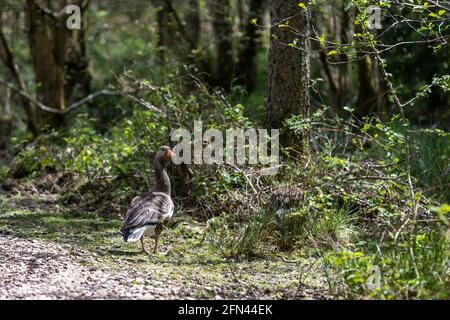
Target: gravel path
x,y
32,269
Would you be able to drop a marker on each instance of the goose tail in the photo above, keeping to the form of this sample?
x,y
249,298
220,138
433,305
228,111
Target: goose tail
x,y
132,235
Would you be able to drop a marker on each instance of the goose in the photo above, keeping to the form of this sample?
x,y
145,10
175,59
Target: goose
x,y
149,210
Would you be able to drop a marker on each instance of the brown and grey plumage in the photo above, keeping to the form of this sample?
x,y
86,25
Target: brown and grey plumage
x,y
151,209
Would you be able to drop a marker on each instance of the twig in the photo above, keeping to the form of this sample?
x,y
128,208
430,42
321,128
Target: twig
x,y
373,178
65,111
144,103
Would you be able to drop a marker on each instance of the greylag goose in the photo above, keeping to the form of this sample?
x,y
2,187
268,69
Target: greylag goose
x,y
150,209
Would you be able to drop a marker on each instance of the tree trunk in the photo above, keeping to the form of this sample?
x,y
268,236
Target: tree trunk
x,y
163,25
77,77
8,60
346,29
193,23
5,120
48,45
333,83
249,45
367,96
289,70
223,30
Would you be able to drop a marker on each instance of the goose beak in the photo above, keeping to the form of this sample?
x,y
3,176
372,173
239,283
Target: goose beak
x,y
170,154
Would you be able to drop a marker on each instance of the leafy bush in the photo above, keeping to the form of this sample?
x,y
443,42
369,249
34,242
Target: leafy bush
x,y
417,267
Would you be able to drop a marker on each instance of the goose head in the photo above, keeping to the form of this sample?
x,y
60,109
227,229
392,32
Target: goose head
x,y
164,155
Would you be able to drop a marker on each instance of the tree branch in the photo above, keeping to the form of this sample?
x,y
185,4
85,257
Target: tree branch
x,y
65,111
144,103
44,11
81,102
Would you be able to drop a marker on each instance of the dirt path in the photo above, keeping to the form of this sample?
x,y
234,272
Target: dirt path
x,y
32,269
50,251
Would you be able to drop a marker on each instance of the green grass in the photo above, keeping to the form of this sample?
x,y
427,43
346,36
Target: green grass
x,y
431,165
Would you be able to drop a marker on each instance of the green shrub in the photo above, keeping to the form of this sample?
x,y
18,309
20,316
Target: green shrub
x,y
417,267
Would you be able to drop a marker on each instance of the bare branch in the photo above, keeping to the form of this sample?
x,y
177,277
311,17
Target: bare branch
x,y
81,102
72,107
45,11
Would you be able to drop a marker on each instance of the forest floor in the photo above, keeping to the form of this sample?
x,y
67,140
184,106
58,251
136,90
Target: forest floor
x,y
50,251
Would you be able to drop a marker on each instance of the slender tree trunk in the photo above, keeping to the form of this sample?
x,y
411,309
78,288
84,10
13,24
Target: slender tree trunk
x,y
223,30
346,29
165,15
163,26
77,77
289,70
48,45
333,83
195,27
8,60
367,94
193,23
249,45
6,112
5,120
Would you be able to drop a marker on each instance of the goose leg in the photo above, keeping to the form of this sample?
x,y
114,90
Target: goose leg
x,y
142,244
155,250
158,231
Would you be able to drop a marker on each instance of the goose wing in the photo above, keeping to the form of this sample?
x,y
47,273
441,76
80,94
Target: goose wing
x,y
148,208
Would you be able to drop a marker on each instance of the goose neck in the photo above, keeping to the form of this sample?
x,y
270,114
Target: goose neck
x,y
162,182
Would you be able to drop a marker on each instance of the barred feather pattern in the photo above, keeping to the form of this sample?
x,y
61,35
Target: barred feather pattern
x,y
148,208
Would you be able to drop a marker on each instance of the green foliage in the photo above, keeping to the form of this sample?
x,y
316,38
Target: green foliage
x,y
430,165
124,149
355,191
416,267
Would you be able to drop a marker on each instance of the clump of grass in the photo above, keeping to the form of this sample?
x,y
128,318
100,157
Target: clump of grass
x,y
431,166
334,230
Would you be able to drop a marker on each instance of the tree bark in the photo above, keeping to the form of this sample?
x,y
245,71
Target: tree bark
x,y
289,70
77,77
223,30
8,60
163,25
249,45
193,23
48,45
346,29
333,83
5,120
367,94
